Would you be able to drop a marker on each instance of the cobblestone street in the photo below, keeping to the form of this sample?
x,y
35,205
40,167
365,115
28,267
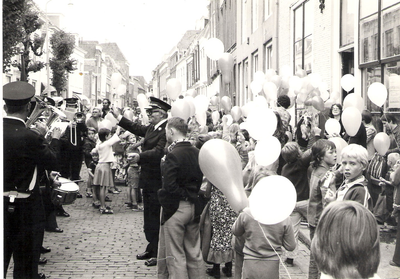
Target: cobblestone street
x,y
105,246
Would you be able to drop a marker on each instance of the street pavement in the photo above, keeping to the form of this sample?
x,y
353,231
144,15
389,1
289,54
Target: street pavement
x,y
105,246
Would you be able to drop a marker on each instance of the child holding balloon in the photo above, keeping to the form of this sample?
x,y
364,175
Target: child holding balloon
x,y
264,239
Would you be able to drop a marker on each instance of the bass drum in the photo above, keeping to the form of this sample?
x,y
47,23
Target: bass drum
x,y
66,193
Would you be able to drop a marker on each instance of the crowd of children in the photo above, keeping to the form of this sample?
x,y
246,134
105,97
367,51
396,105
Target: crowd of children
x,y
307,160
108,157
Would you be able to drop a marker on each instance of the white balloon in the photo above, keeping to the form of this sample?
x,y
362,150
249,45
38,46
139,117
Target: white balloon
x,y
347,82
214,48
377,93
142,100
272,200
353,100
201,118
351,119
259,76
201,103
121,89
332,126
255,87
267,151
261,123
116,79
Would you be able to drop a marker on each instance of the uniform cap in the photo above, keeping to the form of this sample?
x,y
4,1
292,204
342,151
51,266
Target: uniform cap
x,y
156,103
18,93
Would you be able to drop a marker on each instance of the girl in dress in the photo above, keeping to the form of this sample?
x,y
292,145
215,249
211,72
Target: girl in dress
x,y
103,175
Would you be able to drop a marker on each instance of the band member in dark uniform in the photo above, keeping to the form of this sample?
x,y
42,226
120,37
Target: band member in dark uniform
x,y
150,175
25,151
72,147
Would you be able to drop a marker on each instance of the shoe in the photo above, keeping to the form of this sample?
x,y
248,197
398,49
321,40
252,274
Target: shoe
x,y
62,214
151,262
214,272
143,256
106,211
392,263
134,207
42,261
89,195
44,250
289,262
110,191
227,272
79,195
41,276
227,269
57,230
96,205
115,192
127,203
107,199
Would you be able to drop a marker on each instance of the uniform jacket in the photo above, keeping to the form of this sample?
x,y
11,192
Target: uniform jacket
x,y
181,179
152,148
23,151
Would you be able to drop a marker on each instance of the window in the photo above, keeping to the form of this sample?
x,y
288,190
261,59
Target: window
x,y
303,25
347,22
254,15
267,9
244,21
254,62
246,80
267,56
379,25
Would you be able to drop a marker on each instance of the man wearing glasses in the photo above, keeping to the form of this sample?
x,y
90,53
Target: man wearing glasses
x,y
150,175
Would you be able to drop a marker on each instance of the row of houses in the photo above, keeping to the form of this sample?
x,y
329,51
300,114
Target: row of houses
x,y
330,38
95,64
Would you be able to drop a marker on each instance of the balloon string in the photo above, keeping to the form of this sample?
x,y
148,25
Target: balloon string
x,y
280,259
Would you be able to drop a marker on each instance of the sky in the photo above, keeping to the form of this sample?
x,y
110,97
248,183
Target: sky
x,y
144,30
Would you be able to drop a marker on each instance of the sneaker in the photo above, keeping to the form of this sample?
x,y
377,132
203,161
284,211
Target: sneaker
x,y
107,199
135,207
107,211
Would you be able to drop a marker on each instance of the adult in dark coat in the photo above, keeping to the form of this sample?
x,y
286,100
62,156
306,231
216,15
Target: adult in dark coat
x,y
150,174
179,250
25,151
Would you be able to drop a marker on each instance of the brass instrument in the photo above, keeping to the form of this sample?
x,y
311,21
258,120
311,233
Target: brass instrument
x,y
38,111
76,110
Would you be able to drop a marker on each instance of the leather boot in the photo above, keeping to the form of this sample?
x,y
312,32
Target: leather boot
x,y
227,270
214,271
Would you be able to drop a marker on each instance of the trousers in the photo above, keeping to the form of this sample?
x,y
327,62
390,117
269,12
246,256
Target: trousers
x,y
179,253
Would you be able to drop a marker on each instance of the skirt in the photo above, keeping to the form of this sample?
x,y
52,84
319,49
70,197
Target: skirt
x,y
103,175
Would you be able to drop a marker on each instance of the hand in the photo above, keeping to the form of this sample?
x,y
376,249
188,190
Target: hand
x,y
317,131
41,128
116,112
395,212
56,133
136,158
330,196
54,175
